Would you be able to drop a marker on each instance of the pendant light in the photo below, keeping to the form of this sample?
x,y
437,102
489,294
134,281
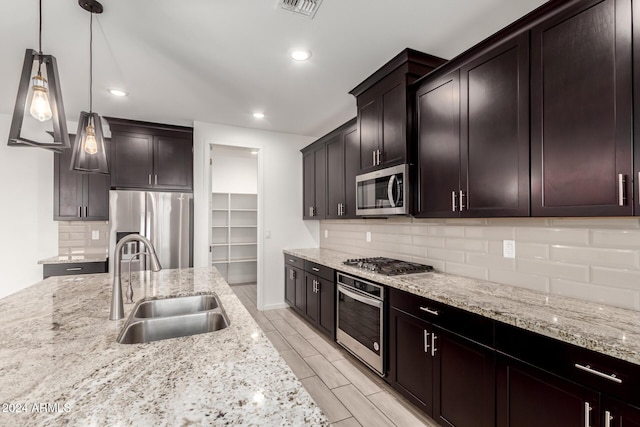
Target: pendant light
x,y
89,153
39,114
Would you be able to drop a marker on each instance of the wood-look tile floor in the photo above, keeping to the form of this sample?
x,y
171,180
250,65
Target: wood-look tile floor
x,y
347,392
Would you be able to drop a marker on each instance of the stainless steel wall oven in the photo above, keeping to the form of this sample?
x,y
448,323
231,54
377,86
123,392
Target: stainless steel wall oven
x,y
360,320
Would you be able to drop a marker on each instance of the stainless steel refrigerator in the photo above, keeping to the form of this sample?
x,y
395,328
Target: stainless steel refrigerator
x,y
166,219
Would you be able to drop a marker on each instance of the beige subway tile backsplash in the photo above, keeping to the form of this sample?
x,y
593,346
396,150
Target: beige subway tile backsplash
x,y
596,259
76,237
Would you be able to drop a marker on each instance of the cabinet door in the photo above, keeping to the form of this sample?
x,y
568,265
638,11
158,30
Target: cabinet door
x,y
291,277
582,111
619,414
96,197
464,385
327,307
300,292
309,185
321,182
311,298
335,176
494,104
530,397
393,113
67,189
369,125
351,159
172,163
132,155
410,360
438,104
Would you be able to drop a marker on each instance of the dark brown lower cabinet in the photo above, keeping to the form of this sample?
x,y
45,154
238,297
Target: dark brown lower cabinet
x,y
530,397
449,377
619,414
293,277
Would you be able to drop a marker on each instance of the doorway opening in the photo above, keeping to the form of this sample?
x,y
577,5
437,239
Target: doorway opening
x,y
234,213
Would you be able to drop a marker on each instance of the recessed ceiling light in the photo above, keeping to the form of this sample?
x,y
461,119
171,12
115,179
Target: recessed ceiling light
x,y
254,152
258,115
300,54
117,92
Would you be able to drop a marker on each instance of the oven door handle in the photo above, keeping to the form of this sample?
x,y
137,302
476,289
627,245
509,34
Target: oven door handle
x,y
369,301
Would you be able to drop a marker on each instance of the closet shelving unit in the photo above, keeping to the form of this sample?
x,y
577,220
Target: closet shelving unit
x,y
234,236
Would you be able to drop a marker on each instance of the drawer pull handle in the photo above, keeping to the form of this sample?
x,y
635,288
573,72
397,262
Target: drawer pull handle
x,y
292,260
588,368
74,269
315,269
428,310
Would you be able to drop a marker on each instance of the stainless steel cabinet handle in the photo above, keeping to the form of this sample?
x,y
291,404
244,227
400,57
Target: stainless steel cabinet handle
x,y
587,415
454,207
374,157
428,310
610,377
462,206
607,419
378,157
74,269
315,269
79,211
433,344
318,287
426,341
149,179
310,210
156,179
292,260
622,197
86,211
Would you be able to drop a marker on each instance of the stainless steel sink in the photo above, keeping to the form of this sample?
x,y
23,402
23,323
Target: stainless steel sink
x,y
175,306
172,318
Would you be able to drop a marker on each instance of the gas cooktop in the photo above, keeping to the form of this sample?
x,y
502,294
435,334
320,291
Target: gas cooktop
x,y
388,266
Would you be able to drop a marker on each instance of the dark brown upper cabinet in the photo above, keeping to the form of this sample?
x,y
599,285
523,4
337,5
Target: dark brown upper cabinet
x,y
314,170
78,196
342,160
581,111
473,136
636,106
384,113
151,156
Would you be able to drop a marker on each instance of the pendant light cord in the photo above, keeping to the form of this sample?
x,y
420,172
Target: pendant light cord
x,y
40,37
90,64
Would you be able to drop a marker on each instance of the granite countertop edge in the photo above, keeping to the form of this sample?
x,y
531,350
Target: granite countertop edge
x,y
601,328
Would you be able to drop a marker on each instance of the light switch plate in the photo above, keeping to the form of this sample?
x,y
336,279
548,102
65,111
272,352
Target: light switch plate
x,y
368,236
95,234
267,234
509,248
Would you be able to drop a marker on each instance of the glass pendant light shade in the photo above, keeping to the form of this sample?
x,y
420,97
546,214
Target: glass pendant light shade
x,y
39,113
89,149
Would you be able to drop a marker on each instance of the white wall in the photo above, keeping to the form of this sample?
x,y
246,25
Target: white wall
x,y
279,200
234,170
27,230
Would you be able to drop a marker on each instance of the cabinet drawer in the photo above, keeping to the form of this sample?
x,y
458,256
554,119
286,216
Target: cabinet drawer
x,y
293,261
319,270
463,323
49,270
612,376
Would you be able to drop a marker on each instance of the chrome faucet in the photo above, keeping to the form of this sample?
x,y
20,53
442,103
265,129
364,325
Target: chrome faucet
x,y
117,308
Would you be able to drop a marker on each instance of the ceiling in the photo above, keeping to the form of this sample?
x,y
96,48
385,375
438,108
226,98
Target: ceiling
x,y
219,61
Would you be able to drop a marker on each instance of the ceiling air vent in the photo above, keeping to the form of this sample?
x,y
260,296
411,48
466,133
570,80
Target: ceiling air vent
x,y
307,8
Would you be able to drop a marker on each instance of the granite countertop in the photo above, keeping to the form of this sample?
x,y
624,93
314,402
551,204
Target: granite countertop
x,y
605,329
61,364
74,258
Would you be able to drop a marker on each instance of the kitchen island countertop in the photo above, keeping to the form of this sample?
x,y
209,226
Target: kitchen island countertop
x,y
61,365
605,329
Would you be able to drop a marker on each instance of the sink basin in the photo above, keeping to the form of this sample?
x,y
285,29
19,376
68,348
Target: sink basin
x,y
175,306
154,329
162,319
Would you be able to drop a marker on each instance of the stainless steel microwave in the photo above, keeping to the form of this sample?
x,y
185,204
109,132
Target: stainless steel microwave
x,y
383,192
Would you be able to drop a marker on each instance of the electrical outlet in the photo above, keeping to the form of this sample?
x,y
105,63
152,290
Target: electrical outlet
x,y
368,236
95,234
326,234
509,248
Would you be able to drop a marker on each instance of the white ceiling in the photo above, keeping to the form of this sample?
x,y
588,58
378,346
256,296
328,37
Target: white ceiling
x,y
219,61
